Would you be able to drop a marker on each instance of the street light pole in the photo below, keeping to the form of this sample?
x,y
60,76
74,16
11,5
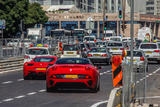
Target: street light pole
x,y
104,8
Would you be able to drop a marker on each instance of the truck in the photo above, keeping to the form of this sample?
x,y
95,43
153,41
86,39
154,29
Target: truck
x,y
145,34
35,33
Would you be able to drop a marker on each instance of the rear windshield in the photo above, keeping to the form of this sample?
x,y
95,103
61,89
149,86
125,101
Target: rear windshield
x,y
115,44
135,53
44,59
148,46
98,50
90,45
37,51
115,39
72,61
100,43
88,39
70,48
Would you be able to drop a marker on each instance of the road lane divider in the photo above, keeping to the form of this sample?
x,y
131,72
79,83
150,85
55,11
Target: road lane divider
x,y
22,96
9,82
11,64
99,103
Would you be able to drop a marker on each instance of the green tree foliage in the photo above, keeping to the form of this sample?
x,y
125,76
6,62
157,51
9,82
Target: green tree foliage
x,y
13,11
35,15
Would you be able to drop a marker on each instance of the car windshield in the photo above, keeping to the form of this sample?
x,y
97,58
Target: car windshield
x,y
44,59
148,46
72,61
135,54
108,35
115,44
98,50
37,51
90,45
88,39
70,48
82,46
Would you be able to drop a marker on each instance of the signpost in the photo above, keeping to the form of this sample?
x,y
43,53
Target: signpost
x,y
90,24
2,26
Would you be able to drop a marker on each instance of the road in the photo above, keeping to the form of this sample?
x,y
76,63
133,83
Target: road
x,y
16,92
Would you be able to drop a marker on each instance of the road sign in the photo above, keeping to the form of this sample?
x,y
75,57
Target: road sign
x,y
90,23
89,31
2,27
2,24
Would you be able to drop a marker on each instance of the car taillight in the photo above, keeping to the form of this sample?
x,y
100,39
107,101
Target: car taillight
x,y
87,77
104,55
85,49
53,76
87,68
26,57
121,48
89,55
77,52
141,58
157,51
62,52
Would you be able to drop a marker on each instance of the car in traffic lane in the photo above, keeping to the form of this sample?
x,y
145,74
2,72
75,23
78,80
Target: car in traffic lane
x,y
38,67
151,51
73,73
115,48
99,56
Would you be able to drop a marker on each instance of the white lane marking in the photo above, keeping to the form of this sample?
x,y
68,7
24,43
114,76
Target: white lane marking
x,y
20,79
9,99
141,79
21,96
43,90
150,74
7,82
147,76
31,93
149,97
137,82
12,71
101,73
99,103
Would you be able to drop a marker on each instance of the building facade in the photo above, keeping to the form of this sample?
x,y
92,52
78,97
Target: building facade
x,y
153,7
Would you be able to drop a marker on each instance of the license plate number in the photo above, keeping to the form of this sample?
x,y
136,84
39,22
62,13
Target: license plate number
x,y
133,60
148,52
71,76
69,52
114,49
96,55
40,68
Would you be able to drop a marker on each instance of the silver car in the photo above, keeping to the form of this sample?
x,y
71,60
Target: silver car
x,y
99,55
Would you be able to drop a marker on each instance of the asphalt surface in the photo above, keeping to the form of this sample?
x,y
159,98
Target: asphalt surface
x,y
16,92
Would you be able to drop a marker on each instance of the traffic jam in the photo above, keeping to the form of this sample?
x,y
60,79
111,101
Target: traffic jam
x,y
74,60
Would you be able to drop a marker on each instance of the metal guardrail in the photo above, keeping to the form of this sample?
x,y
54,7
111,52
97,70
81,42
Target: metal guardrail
x,y
11,64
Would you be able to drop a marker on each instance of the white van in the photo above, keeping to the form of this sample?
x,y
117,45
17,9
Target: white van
x,y
108,34
89,39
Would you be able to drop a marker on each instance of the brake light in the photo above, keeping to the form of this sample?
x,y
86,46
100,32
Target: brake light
x,y
62,52
157,51
53,76
87,77
87,68
45,45
141,58
89,55
85,49
77,52
26,57
121,48
104,55
31,45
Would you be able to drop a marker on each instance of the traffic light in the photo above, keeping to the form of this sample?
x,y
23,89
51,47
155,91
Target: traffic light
x,y
120,13
123,26
105,26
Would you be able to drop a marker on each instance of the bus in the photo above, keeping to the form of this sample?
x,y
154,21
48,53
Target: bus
x,y
60,34
79,34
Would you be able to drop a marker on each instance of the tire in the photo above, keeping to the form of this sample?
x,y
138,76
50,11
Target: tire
x,y
158,62
97,88
26,78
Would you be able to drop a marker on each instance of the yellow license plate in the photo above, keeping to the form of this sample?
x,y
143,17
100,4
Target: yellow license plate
x,y
71,76
40,68
69,52
148,52
97,55
133,60
114,49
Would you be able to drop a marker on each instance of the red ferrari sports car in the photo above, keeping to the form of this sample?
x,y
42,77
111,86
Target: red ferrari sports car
x,y
73,73
38,66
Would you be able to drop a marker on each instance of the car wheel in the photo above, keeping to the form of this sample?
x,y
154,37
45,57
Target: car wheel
x,y
158,61
26,78
96,89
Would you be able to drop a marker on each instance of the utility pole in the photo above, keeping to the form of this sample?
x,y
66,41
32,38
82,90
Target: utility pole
x,y
104,8
123,10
